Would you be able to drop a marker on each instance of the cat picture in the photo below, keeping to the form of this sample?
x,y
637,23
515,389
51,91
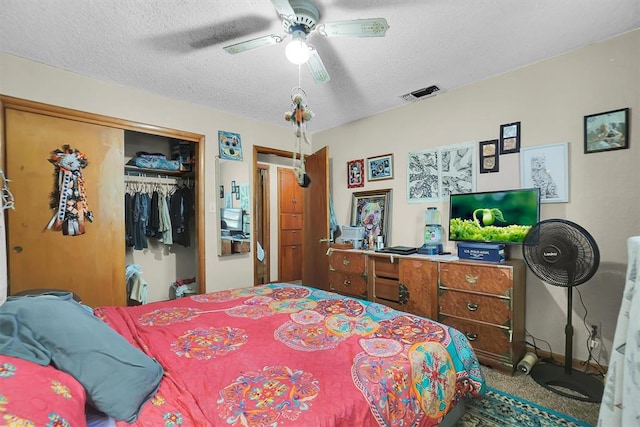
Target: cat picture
x,y
542,178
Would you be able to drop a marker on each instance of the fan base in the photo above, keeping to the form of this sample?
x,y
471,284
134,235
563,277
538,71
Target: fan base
x,y
575,385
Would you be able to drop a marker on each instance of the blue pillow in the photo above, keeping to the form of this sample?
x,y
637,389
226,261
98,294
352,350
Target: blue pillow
x,y
53,328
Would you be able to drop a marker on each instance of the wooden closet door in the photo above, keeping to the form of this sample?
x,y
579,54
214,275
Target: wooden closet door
x,y
92,264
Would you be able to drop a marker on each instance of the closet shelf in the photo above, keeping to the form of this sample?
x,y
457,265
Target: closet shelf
x,y
186,174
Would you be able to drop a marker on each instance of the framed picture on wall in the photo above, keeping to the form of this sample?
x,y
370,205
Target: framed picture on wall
x,y
230,145
546,167
380,167
606,131
371,210
510,138
355,173
489,159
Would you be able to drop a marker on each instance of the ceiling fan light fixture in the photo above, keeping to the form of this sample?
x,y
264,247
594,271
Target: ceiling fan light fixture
x,y
298,51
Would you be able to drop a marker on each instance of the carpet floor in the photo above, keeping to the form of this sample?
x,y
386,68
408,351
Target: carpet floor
x,y
499,409
524,387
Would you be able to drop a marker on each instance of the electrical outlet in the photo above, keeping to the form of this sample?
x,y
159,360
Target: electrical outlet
x,y
594,338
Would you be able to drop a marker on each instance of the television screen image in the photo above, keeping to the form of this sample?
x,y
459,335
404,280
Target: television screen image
x,y
493,216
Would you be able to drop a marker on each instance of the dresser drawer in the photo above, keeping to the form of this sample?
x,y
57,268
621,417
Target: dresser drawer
x,y
349,262
386,289
291,237
385,268
476,307
345,283
291,221
491,339
496,280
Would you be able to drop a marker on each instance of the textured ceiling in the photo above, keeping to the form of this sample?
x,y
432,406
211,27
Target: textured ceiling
x,y
174,47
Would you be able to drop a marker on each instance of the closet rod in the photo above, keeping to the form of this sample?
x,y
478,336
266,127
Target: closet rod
x,y
153,179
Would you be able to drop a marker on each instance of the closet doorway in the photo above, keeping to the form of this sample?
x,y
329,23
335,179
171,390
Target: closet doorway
x,y
315,242
92,264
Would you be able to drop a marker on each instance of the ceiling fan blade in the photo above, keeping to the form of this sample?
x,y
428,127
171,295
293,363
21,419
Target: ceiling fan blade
x,y
371,27
284,9
317,68
269,40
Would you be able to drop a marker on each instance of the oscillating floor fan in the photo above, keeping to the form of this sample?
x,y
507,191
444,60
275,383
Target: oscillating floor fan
x,y
562,253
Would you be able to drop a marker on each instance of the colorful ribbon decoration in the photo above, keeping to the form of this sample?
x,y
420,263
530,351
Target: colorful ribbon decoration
x,y
69,199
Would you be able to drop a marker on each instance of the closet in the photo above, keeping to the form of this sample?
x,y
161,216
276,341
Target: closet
x,y
90,264
159,213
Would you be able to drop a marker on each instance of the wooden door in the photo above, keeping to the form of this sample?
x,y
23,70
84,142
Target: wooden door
x,y
421,280
261,224
90,264
315,263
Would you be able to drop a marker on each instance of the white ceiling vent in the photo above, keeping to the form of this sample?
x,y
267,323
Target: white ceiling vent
x,y
421,93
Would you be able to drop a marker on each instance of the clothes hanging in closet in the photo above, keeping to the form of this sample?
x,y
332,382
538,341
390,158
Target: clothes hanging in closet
x,y
181,208
155,212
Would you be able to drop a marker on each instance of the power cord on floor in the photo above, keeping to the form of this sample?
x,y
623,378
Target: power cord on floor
x,y
548,359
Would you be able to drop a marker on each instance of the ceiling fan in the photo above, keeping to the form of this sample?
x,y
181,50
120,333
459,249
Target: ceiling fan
x,y
300,21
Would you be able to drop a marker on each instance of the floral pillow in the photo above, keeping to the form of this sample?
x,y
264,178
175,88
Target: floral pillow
x,y
34,395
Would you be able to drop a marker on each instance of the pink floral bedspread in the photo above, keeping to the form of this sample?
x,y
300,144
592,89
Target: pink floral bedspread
x,y
33,395
289,355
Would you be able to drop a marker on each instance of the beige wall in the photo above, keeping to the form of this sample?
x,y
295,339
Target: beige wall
x,y
550,99
34,81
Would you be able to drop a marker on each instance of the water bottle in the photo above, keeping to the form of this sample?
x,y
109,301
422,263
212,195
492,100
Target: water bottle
x,y
432,231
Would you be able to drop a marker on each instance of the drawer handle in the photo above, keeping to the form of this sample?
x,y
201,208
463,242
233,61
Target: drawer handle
x,y
346,262
472,306
472,337
471,279
347,282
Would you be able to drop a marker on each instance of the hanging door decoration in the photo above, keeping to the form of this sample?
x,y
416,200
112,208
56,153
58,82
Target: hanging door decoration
x,y
69,199
299,115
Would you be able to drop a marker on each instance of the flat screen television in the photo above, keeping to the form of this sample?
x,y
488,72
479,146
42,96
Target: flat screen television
x,y
493,216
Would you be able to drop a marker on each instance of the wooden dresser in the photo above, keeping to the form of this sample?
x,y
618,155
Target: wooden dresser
x,y
487,303
348,273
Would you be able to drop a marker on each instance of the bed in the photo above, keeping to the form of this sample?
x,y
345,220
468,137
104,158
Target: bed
x,y
270,355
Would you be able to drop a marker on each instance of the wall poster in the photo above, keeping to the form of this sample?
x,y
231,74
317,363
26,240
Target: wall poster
x,y
432,175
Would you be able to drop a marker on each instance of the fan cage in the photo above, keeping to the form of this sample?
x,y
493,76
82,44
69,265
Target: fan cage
x,y
579,254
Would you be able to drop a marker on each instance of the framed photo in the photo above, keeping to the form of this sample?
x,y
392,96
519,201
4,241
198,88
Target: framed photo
x,y
380,167
489,159
355,173
371,210
230,145
606,131
546,167
510,138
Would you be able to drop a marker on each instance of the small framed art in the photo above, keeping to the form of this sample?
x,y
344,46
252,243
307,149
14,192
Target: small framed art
x,y
606,131
355,173
546,167
371,210
510,138
230,145
380,167
489,159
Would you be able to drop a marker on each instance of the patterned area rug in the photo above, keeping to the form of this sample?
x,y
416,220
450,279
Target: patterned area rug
x,y
499,409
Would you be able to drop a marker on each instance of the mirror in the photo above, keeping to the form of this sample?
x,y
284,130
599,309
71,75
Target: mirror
x,y
233,208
